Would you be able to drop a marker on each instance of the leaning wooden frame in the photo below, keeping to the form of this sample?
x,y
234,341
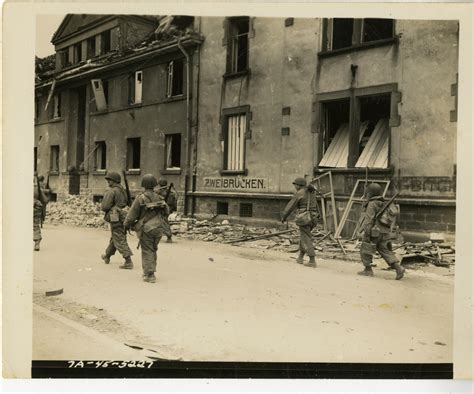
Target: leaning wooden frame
x,y
358,200
323,199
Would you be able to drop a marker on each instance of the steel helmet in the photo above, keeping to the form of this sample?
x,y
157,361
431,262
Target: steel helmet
x,y
374,189
149,181
163,182
113,176
300,182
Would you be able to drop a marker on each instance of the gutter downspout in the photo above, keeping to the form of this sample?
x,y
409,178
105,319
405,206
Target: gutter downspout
x,y
188,131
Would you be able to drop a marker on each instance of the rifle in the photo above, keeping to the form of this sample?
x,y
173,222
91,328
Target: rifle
x,y
168,191
127,190
47,183
386,205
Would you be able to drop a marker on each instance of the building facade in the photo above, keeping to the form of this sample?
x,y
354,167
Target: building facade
x,y
261,101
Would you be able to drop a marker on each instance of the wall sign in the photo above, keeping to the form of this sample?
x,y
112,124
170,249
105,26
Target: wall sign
x,y
236,183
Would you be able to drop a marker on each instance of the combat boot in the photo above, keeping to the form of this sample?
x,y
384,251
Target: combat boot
x,y
128,265
105,258
37,245
400,271
150,278
169,240
299,259
366,272
311,262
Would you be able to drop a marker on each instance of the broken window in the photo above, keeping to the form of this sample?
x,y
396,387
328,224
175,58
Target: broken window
x,y
365,146
238,44
77,52
100,88
175,78
56,113
100,156
54,158
222,208
246,210
133,153
135,88
234,142
91,47
173,151
346,32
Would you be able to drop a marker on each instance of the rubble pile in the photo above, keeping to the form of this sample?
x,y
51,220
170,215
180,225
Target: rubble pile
x,y
76,211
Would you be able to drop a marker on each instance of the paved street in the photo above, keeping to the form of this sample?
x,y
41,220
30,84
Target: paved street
x,y
228,303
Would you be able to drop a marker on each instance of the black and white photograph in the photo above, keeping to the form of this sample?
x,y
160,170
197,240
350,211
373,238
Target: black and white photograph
x,y
244,189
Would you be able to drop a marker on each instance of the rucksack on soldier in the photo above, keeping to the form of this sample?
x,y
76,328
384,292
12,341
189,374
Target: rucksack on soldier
x,y
389,216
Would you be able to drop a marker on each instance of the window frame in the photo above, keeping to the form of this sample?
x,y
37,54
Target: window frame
x,y
357,37
354,96
100,146
226,114
170,78
56,106
129,153
229,28
166,148
54,152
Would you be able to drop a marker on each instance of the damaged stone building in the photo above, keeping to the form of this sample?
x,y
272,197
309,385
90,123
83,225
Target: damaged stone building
x,y
231,110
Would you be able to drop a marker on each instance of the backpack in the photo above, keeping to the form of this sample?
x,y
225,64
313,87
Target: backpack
x,y
389,215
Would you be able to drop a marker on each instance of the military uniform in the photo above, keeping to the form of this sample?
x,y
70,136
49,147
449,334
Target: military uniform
x,y
115,199
300,202
149,223
382,241
172,202
39,203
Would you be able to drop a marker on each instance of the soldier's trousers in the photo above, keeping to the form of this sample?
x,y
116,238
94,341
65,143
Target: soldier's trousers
x,y
306,240
36,228
384,248
118,241
149,244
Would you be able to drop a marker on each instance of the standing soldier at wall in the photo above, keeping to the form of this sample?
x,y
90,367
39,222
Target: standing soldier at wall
x,y
115,200
39,203
306,205
377,234
147,217
171,199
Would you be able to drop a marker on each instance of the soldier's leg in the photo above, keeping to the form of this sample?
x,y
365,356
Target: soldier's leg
x,y
37,232
385,250
367,261
306,242
119,237
147,243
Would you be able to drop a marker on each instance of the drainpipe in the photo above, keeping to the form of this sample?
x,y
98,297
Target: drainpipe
x,y
188,131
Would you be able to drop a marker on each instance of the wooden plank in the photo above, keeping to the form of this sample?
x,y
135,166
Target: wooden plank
x,y
379,145
332,154
369,148
375,146
382,158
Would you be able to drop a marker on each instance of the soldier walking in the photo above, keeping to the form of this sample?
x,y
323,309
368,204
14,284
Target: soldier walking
x,y
171,199
306,205
377,235
40,200
147,217
115,200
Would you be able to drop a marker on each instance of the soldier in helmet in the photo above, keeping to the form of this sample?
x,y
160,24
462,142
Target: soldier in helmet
x,y
115,200
147,217
304,198
171,199
381,238
40,199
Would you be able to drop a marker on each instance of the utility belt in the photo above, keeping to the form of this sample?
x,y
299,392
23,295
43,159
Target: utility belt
x,y
116,214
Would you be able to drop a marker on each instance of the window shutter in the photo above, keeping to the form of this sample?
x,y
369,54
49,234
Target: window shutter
x,y
98,90
138,86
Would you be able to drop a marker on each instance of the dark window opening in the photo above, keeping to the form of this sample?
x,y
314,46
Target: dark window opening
x,y
56,107
133,153
238,48
222,208
105,39
100,155
245,210
53,197
175,78
335,114
91,47
64,56
342,31
372,109
54,158
105,87
377,29
35,163
37,108
97,198
173,151
77,52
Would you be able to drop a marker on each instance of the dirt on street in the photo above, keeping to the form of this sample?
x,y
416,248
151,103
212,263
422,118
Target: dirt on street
x,y
215,302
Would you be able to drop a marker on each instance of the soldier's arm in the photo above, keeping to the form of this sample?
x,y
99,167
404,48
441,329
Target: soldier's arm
x,y
132,214
369,216
290,207
108,201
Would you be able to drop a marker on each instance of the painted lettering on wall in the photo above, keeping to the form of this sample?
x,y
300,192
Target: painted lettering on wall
x,y
426,184
238,183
